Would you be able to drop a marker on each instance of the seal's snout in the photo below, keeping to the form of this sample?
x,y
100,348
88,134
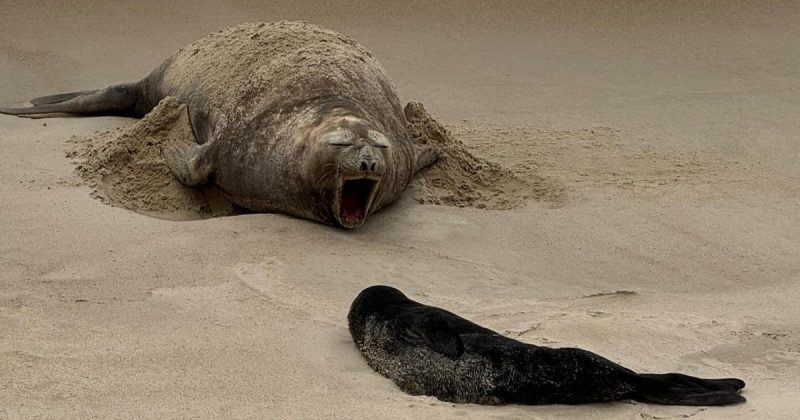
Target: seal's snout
x,y
371,166
367,165
367,162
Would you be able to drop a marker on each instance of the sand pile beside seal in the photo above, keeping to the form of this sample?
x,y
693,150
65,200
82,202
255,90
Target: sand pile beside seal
x,y
124,167
462,179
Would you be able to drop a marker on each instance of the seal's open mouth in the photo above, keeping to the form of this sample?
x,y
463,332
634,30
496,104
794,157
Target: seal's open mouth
x,y
354,199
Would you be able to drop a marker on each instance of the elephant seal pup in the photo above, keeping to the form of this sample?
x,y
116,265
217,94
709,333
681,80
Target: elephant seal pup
x,y
429,351
288,117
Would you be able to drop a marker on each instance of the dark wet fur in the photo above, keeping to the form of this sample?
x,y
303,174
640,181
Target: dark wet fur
x,y
430,351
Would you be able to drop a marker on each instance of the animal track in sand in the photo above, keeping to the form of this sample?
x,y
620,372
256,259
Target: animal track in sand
x,y
775,348
274,279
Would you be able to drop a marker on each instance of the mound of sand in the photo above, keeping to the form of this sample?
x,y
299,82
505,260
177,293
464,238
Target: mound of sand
x,y
125,168
462,179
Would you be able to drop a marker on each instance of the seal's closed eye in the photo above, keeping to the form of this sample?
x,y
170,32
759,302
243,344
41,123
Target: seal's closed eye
x,y
341,137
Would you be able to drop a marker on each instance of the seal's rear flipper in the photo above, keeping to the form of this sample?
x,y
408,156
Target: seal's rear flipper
x,y
113,100
678,389
61,97
190,163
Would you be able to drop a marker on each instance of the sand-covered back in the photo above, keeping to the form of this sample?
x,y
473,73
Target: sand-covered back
x,y
266,70
667,132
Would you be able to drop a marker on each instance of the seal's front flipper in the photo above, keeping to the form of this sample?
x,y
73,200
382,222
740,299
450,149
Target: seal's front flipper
x,y
202,126
190,163
114,100
679,389
432,331
424,156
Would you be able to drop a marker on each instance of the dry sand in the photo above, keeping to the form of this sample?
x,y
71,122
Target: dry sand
x,y
658,143
125,168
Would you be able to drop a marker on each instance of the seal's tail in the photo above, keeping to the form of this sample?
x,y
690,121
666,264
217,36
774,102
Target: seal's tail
x,y
120,100
678,389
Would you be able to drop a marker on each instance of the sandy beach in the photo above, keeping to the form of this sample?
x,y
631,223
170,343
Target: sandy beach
x,y
664,137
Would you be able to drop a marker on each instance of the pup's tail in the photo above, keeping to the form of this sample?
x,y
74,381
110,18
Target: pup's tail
x,y
122,100
678,389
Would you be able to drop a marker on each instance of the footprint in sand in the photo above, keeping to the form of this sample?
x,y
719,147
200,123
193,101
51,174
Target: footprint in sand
x,y
272,279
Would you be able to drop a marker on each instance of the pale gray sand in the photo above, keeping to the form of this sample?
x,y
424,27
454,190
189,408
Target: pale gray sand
x,y
671,129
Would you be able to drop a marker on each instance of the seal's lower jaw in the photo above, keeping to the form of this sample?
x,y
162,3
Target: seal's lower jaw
x,y
354,199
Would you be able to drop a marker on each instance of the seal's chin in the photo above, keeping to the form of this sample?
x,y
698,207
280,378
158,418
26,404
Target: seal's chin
x,y
353,200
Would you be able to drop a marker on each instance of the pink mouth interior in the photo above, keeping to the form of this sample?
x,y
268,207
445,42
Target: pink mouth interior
x,y
354,200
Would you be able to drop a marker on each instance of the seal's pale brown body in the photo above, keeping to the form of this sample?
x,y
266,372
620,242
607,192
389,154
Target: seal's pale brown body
x,y
288,117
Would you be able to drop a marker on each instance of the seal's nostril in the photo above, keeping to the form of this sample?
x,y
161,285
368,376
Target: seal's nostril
x,y
363,166
372,168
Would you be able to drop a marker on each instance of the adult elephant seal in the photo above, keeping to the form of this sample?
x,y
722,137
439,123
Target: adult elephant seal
x,y
429,351
287,117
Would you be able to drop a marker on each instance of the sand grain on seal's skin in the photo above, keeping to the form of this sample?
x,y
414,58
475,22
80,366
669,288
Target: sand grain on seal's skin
x,y
266,66
250,57
124,167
